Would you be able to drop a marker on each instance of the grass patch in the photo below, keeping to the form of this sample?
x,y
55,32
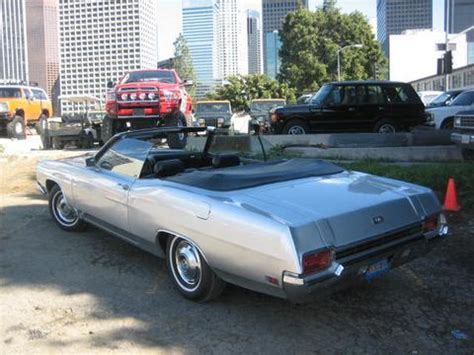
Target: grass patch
x,y
432,175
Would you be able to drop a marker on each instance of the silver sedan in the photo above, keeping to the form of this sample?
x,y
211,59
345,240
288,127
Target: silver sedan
x,y
293,229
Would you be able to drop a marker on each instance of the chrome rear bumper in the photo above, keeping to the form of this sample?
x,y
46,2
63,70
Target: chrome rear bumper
x,y
352,270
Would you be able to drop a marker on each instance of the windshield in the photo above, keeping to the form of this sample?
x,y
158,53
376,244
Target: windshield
x,y
162,76
8,93
441,99
212,107
464,99
266,106
318,98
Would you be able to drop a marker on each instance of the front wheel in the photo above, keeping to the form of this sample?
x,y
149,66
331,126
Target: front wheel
x,y
296,127
108,129
16,128
385,126
190,273
63,214
179,140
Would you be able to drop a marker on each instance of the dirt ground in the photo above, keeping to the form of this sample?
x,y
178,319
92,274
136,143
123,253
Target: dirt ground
x,y
89,292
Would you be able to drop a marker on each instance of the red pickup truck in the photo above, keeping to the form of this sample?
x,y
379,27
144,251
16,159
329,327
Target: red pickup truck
x,y
145,99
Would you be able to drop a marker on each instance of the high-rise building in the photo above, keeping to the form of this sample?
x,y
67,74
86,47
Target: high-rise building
x,y
200,30
273,14
396,16
216,36
460,18
254,41
43,44
13,44
233,39
101,40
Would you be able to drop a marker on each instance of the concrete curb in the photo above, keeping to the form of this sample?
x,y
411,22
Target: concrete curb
x,y
404,154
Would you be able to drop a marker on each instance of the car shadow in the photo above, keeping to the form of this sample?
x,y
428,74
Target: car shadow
x,y
131,300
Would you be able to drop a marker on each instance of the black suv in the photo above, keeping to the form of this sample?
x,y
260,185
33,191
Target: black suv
x,y
349,106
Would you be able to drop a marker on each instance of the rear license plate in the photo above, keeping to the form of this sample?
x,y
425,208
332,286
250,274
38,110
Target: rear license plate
x,y
377,269
465,139
138,112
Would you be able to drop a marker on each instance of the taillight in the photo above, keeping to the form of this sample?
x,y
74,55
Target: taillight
x,y
430,223
316,261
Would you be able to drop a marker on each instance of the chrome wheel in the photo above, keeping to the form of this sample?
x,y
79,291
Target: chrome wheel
x,y
63,213
296,130
18,128
387,128
187,268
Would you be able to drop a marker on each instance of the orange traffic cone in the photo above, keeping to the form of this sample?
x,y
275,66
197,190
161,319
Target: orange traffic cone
x,y
451,199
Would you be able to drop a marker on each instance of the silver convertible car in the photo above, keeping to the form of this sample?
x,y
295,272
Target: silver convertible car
x,y
289,228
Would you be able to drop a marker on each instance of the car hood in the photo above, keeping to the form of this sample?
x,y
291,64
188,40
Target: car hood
x,y
292,108
346,203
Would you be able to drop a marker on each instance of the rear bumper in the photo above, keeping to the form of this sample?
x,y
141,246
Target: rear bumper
x,y
466,140
352,270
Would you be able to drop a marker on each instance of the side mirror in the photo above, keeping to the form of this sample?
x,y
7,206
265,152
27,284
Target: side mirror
x,y
187,83
90,161
110,84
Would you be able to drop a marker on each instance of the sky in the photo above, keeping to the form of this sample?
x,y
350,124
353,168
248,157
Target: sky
x,y
170,21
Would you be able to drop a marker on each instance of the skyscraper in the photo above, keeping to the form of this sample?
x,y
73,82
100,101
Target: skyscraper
x,y
396,16
274,12
200,29
254,42
43,49
233,41
461,17
13,47
216,36
101,40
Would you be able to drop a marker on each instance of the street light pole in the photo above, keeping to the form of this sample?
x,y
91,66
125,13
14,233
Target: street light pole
x,y
339,57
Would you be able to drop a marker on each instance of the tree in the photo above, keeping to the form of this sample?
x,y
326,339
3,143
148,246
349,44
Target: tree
x,y
310,41
183,63
240,89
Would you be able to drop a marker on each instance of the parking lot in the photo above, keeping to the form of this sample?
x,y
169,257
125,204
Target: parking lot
x,y
90,292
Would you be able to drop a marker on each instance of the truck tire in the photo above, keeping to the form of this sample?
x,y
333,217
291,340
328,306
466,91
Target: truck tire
x,y
385,126
108,129
42,122
16,128
296,126
176,141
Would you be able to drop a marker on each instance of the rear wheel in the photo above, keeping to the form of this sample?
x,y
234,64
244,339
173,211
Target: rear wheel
x,y
63,214
176,141
42,121
385,126
190,273
16,128
296,127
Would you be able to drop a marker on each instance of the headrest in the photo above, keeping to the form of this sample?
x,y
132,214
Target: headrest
x,y
224,161
166,168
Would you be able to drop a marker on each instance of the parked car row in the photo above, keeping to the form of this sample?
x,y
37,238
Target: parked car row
x,y
442,116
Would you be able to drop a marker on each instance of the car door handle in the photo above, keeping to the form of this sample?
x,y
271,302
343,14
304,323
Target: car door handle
x,y
124,186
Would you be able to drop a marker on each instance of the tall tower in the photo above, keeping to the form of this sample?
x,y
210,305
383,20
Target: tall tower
x,y
101,40
254,41
13,41
274,12
43,43
396,16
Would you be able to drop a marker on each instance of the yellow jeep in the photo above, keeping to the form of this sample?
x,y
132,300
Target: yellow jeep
x,y
21,105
